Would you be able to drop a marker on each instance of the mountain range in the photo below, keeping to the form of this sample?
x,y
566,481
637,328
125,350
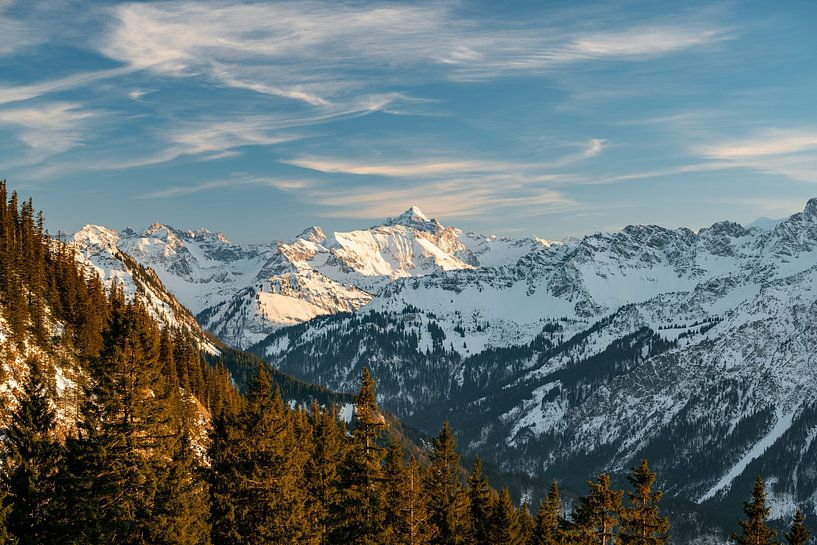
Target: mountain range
x,y
692,348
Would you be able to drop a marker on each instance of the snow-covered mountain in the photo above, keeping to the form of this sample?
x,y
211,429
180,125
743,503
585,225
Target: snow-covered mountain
x,y
694,349
96,250
244,292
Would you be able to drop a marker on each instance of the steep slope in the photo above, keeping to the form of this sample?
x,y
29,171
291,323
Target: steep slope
x,y
695,349
244,292
96,250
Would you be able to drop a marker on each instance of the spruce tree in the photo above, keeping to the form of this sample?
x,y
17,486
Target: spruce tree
x,y
754,530
181,506
257,470
123,437
506,528
225,454
526,523
798,534
415,525
322,469
31,459
6,538
359,516
547,530
393,469
481,502
641,522
598,515
447,499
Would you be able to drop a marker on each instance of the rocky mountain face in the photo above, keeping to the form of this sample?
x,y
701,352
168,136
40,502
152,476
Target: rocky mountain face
x,y
245,292
96,250
694,349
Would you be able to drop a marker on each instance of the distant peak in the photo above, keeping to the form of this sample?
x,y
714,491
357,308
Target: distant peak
x,y
157,228
414,217
96,235
811,208
764,223
416,213
312,234
206,234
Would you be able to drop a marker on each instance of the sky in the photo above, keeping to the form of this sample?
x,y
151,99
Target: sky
x,y
554,119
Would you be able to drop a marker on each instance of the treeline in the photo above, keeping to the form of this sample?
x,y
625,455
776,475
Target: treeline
x,y
275,474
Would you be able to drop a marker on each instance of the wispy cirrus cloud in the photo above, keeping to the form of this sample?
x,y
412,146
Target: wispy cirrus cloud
x,y
420,169
16,35
766,143
450,198
320,54
203,140
10,94
448,166
48,129
787,152
443,198
183,190
447,186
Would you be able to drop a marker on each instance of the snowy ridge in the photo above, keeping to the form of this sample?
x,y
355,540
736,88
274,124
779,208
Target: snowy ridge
x,y
244,292
694,349
97,251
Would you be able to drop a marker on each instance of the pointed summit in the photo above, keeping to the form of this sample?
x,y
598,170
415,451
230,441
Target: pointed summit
x,y
96,236
415,213
810,211
159,230
414,217
312,234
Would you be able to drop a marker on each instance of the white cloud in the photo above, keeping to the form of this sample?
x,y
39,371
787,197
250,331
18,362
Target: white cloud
x,y
444,167
48,129
452,198
642,42
182,190
767,143
19,93
16,35
421,169
787,152
137,94
320,53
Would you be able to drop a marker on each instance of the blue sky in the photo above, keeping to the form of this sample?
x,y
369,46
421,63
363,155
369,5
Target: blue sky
x,y
547,118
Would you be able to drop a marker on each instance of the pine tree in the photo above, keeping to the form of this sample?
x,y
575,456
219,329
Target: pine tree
x,y
798,534
393,470
754,530
225,454
598,514
447,499
526,523
481,502
547,530
123,437
506,527
182,504
415,526
257,472
30,463
6,538
359,516
641,522
322,467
